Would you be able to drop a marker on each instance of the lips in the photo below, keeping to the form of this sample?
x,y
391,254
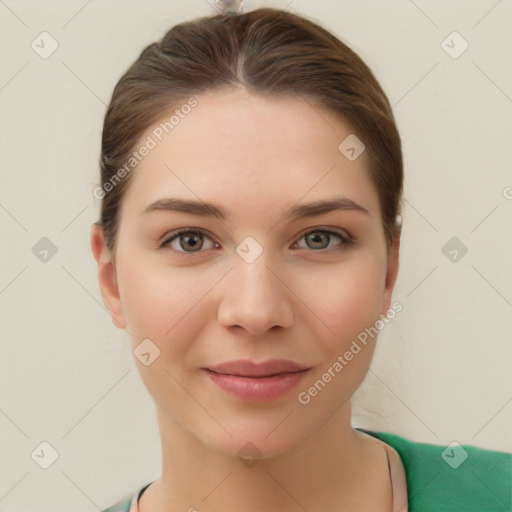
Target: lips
x,y
251,369
257,382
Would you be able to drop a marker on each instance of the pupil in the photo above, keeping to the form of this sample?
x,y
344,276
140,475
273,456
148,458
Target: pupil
x,y
316,237
192,244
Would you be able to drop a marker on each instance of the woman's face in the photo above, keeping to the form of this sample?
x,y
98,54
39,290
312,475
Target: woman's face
x,y
259,284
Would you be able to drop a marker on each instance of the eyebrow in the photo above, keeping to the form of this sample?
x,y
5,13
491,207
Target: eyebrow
x,y
206,209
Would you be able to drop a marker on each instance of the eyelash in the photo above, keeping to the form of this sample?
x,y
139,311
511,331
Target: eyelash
x,y
345,239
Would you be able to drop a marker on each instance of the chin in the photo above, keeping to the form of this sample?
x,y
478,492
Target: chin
x,y
254,442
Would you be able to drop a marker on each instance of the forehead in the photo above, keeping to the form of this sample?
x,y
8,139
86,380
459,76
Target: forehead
x,y
251,153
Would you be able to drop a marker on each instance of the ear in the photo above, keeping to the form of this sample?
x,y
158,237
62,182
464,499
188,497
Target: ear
x,y
391,273
107,276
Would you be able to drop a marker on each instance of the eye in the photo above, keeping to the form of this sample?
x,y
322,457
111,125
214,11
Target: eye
x,y
193,239
187,239
319,239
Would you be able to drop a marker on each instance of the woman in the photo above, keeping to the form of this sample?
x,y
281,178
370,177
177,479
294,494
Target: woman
x,y
251,181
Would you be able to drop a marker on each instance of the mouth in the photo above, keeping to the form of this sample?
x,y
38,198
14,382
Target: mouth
x,y
252,369
266,376
258,382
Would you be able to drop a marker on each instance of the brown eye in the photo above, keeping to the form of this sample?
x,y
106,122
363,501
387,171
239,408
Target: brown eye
x,y
186,241
320,239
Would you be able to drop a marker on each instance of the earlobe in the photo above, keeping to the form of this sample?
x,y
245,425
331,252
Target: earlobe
x,y
107,276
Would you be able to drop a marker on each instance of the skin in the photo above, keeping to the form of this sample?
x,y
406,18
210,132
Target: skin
x,y
298,300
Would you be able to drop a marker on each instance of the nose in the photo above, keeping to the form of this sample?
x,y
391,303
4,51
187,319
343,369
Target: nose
x,y
255,297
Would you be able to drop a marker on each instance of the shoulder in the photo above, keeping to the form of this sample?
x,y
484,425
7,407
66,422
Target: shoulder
x,y
128,503
442,477
387,457
121,506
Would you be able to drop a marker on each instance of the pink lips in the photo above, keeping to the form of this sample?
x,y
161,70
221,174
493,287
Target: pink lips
x,y
257,381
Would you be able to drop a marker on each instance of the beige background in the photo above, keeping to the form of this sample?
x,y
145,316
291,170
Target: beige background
x,y
442,369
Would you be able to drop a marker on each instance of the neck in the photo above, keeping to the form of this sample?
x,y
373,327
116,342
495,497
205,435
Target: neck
x,y
197,476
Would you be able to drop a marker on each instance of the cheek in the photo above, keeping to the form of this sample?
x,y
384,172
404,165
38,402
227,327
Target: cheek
x,y
350,303
158,300
346,300
162,304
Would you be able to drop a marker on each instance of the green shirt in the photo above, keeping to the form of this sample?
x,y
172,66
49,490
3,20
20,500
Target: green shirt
x,y
440,478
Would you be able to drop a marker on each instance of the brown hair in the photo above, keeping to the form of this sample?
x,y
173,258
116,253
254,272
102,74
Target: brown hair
x,y
269,52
